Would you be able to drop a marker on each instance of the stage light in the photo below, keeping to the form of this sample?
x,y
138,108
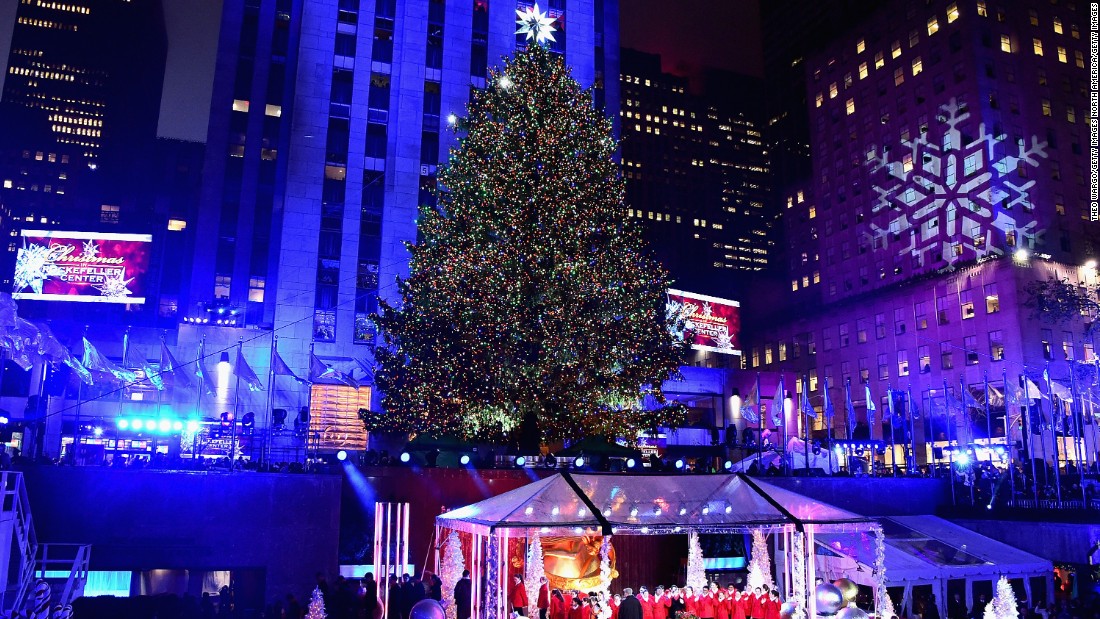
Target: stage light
x,y
451,119
683,510
633,512
341,455
136,424
405,456
177,426
728,465
729,509
656,511
1020,255
123,424
555,511
578,461
1090,265
192,426
607,513
990,506
521,461
706,510
578,530
98,431
223,364
464,460
504,82
530,510
679,464
630,463
962,459
165,425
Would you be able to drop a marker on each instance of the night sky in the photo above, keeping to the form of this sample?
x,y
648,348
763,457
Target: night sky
x,y
689,35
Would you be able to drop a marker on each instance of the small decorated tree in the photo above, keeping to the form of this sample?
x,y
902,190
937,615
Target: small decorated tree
x,y
316,605
533,571
1003,605
760,565
696,571
450,572
605,565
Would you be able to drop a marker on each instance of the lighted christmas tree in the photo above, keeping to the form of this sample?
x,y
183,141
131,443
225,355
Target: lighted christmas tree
x,y
530,290
450,571
533,571
696,570
316,605
1003,604
760,565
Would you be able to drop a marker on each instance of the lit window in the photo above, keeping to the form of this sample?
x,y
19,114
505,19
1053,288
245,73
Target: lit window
x,y
273,110
952,12
1079,58
1074,32
879,62
1046,107
813,212
933,26
832,90
1006,43
982,10
895,49
256,290
1062,54
861,46
1033,17
862,70
1071,114
108,214
850,106
917,66
899,76
819,99
7,184
240,105
176,225
335,172
1037,47
1057,25
992,299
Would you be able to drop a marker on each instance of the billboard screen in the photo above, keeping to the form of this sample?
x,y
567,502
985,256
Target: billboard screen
x,y
90,267
713,324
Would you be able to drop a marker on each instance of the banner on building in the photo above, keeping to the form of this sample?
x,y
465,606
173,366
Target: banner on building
x,y
90,267
712,324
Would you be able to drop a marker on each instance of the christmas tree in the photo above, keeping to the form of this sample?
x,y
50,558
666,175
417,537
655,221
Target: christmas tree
x,y
533,571
1003,605
696,571
450,571
760,565
316,605
530,292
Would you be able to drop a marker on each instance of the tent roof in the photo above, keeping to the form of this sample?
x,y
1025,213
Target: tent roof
x,y
633,504
927,548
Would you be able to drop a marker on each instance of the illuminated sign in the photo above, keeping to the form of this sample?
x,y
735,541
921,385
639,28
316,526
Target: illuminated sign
x,y
90,267
712,324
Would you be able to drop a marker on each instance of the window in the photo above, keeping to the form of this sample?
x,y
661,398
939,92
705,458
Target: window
x,y
942,304
879,61
899,76
1062,54
970,164
221,286
933,26
966,302
920,312
755,357
1033,17
952,12
917,66
1046,107
861,46
992,300
108,214
1071,114
880,326
1067,345
895,49
946,362
899,321
864,371
240,105
832,90
1048,350
177,225
983,11
767,354
1079,59
1037,47
996,346
861,331
862,70
924,359
843,334
1006,43
850,106
970,343
782,351
256,290
883,367
845,371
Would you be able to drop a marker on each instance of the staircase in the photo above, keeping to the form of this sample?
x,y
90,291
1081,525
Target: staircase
x,y
60,564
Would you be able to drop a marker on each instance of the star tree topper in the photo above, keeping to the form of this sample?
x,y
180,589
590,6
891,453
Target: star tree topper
x,y
535,24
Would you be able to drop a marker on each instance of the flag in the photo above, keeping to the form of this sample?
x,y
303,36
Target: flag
x,y
870,405
7,311
777,404
851,407
829,412
280,368
1061,391
896,418
170,367
55,352
749,405
22,339
245,373
914,410
804,402
135,360
205,383
968,399
996,398
95,362
322,373
1031,391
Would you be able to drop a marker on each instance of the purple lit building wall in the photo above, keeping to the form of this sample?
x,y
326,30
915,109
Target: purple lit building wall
x,y
949,171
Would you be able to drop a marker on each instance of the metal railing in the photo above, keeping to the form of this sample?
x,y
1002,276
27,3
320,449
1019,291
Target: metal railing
x,y
1053,504
15,511
67,561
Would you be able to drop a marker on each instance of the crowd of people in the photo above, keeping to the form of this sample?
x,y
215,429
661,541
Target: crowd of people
x,y
711,602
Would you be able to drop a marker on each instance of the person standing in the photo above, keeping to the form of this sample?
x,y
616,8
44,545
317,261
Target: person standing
x,y
646,602
661,603
773,606
463,596
756,606
707,602
559,608
691,601
675,601
577,609
543,603
370,595
631,607
613,604
517,597
737,604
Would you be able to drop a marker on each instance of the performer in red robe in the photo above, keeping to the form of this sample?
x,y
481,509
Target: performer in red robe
x,y
721,606
517,597
737,605
706,603
756,604
772,606
616,600
576,611
691,601
543,603
647,603
558,607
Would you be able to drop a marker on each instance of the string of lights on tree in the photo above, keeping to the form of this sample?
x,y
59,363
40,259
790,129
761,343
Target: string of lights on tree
x,y
530,295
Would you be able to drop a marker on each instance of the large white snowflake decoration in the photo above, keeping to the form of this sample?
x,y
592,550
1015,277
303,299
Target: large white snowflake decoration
x,y
535,24
34,264
115,286
949,198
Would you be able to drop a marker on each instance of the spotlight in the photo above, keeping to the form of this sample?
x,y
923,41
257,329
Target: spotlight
x,y
223,365
962,459
165,425
177,426
555,511
990,506
729,509
630,463
451,119
706,510
550,461
679,464
135,424
123,424
683,510
1020,255
464,460
192,425
578,462
529,510
98,431
521,461
633,512
341,455
1091,265
405,456
728,465
504,82
248,421
656,511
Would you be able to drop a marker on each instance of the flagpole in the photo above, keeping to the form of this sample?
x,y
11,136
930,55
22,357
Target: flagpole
x,y
783,425
1054,435
988,421
965,414
849,408
160,392
950,450
79,398
760,415
1077,434
266,453
826,407
806,416
911,462
309,403
200,369
1009,445
893,441
236,407
1026,412
125,350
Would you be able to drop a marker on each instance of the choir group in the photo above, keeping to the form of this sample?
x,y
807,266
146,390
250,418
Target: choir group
x,y
713,602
